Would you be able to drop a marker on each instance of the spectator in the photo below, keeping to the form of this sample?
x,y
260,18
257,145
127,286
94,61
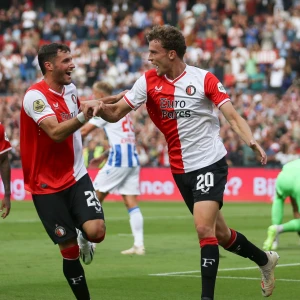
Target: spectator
x,y
233,39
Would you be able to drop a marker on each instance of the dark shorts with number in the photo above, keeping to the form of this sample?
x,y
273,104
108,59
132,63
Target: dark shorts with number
x,y
61,212
204,184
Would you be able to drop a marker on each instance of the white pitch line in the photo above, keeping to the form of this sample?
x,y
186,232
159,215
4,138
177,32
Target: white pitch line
x,y
124,234
228,269
125,218
234,277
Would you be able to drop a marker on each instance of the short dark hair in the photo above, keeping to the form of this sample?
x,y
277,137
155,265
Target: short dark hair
x,y
48,52
170,37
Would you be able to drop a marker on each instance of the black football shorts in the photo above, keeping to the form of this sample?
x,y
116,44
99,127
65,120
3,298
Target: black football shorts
x,y
203,184
61,212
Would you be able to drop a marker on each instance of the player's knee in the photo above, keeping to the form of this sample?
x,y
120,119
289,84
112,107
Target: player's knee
x,y
70,253
223,236
98,239
96,233
204,231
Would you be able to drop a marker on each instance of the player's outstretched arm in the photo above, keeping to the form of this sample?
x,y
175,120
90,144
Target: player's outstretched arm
x,y
86,129
240,126
58,132
109,112
5,175
113,98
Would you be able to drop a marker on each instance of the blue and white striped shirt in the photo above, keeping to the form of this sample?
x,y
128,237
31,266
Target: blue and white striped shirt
x,y
121,138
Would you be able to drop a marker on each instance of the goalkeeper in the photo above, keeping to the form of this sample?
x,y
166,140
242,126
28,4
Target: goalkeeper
x,y
287,185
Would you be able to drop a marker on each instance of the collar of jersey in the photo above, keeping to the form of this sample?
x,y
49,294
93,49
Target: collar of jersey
x,y
54,92
176,79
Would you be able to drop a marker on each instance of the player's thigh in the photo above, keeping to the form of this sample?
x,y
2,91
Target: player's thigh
x,y
130,185
185,190
85,204
109,178
296,195
55,215
284,185
209,182
205,184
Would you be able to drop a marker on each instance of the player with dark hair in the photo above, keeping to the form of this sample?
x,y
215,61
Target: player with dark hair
x,y
180,100
53,167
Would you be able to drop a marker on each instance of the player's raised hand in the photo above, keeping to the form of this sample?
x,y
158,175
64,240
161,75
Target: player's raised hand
x,y
259,151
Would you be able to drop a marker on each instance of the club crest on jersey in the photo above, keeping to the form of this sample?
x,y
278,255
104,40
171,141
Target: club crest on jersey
x,y
6,137
38,105
221,88
74,98
60,231
190,90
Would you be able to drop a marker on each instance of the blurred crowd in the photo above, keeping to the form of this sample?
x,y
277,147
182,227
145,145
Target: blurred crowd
x,y
252,46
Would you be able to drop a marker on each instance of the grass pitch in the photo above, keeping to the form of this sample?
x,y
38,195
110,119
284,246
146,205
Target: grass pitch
x,y
31,266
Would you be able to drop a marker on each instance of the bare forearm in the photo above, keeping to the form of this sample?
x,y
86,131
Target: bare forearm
x,y
58,132
243,130
110,99
65,129
111,113
5,173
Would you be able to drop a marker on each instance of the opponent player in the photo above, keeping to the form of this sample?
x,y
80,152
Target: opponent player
x,y
54,172
287,185
5,172
122,170
180,101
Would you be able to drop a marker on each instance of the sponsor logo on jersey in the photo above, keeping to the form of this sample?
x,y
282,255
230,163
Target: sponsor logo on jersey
x,y
74,98
158,89
190,90
38,105
60,231
67,116
176,114
174,109
221,88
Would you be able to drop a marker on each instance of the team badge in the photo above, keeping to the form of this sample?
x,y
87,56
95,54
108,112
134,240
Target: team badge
x,y
190,90
6,137
74,98
221,88
60,231
39,105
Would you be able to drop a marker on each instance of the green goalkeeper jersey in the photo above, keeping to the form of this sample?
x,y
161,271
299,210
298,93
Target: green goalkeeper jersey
x,y
288,180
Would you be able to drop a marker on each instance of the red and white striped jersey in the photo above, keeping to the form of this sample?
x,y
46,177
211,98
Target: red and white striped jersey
x,y
4,141
49,167
183,110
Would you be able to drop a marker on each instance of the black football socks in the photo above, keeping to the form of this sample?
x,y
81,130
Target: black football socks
x,y
209,269
242,247
74,274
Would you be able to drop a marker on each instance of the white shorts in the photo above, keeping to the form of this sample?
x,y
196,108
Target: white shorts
x,y
122,180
